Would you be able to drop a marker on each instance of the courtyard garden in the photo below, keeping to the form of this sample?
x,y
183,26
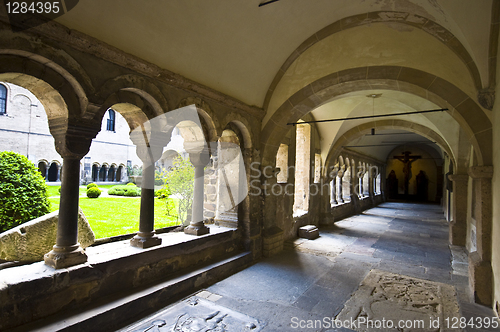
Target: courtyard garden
x,y
111,210
116,215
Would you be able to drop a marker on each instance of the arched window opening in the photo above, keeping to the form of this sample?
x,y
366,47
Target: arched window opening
x,y
53,172
119,173
95,172
42,168
282,163
230,179
111,174
302,169
103,173
366,184
110,126
3,99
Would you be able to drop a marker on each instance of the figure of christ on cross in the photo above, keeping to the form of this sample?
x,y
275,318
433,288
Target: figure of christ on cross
x,y
407,160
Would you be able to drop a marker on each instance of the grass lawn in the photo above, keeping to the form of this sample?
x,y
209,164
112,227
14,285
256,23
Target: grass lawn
x,y
111,216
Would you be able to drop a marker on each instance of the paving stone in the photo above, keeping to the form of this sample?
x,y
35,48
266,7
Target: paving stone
x,y
317,278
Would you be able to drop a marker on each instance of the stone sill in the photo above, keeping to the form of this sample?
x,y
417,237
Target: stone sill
x,y
333,206
113,252
36,291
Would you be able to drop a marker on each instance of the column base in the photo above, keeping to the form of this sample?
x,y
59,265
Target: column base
x,y
62,257
145,242
197,230
480,280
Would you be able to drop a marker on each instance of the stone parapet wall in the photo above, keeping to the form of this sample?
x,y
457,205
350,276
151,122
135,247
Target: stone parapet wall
x,y
116,268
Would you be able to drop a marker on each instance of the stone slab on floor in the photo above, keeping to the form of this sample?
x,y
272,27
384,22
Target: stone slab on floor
x,y
197,314
389,297
310,232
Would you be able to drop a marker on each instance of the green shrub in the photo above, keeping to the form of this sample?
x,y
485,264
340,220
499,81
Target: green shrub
x,y
120,190
93,192
91,185
23,192
162,193
131,193
131,184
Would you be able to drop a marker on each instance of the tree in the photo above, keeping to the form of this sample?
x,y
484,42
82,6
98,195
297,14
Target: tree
x,y
180,181
23,192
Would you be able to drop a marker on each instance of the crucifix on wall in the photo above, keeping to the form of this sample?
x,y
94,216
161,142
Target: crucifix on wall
x,y
407,160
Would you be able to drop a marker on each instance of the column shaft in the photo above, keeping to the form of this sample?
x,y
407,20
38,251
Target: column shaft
x,y
67,227
196,226
333,191
458,226
146,238
67,251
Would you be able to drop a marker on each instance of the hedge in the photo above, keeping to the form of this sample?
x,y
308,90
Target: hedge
x,y
23,192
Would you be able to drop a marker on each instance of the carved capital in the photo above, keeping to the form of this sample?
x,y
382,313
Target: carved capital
x,y
458,177
200,159
72,141
481,172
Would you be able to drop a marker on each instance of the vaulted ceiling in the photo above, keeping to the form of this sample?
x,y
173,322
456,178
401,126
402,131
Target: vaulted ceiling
x,y
263,55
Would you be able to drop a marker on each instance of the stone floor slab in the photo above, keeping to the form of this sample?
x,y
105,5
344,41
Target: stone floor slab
x,y
398,299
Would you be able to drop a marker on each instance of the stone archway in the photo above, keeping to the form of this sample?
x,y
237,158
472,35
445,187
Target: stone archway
x,y
412,20
365,128
461,107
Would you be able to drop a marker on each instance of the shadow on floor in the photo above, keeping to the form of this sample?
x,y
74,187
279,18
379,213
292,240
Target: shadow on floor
x,y
311,280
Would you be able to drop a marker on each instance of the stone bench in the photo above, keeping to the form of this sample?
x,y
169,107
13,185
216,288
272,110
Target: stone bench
x,y
309,232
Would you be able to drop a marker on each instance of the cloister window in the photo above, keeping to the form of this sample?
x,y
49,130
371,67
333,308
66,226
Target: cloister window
x,y
111,120
3,99
282,163
302,168
366,185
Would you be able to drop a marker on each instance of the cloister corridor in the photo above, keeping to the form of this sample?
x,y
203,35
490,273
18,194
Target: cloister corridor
x,y
313,279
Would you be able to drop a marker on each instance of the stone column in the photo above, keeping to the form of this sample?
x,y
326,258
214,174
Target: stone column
x,y
199,161
354,193
67,250
480,271
458,226
72,143
333,191
340,194
149,154
245,223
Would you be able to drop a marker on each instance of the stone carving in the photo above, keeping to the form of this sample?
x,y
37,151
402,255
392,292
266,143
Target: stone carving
x,y
205,323
395,297
198,315
486,98
32,240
